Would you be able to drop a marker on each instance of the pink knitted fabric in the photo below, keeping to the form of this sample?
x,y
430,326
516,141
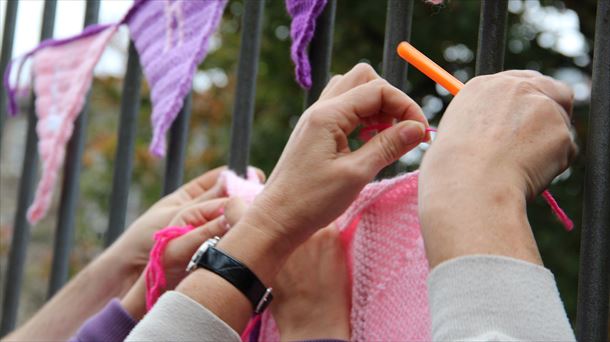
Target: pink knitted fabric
x,y
302,28
63,75
155,275
172,39
387,259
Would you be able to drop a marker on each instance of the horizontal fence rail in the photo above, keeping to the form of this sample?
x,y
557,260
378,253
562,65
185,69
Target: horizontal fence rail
x,y
593,287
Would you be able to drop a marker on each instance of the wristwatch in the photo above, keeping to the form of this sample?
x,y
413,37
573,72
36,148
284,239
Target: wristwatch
x,y
233,271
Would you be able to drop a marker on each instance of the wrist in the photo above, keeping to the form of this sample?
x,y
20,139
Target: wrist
x,y
255,243
134,302
125,271
471,217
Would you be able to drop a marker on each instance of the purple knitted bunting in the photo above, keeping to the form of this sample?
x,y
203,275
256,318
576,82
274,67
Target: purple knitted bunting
x,y
304,14
171,37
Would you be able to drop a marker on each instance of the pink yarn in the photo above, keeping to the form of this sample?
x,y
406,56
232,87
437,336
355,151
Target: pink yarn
x,y
387,261
63,75
155,274
561,215
172,38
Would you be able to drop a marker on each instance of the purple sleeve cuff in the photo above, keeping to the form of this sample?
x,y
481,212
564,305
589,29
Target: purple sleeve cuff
x,y
113,323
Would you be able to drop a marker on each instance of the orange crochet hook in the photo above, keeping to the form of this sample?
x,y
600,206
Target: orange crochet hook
x,y
453,85
429,68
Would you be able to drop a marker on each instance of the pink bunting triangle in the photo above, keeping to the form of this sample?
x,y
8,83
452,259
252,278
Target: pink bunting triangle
x,y
172,39
63,73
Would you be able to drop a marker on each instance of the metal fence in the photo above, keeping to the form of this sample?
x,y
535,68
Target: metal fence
x,y
592,315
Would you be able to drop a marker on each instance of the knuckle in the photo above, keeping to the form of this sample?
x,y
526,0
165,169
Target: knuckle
x,y
335,78
524,86
317,117
388,150
364,68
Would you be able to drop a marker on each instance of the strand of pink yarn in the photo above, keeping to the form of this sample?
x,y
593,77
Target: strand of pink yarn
x,y
155,275
366,133
245,336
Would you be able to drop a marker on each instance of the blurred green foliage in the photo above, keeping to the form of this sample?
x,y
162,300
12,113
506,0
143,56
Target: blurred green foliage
x,y
359,36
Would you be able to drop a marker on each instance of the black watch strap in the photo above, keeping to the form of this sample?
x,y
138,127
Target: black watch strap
x,y
236,273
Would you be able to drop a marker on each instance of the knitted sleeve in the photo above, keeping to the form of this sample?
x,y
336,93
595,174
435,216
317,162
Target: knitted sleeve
x,y
112,323
496,298
176,317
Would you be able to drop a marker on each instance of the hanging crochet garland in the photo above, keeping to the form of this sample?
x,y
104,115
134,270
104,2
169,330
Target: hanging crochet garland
x,y
171,37
63,72
302,28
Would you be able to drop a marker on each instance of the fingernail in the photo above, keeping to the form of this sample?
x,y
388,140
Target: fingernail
x,y
224,223
412,132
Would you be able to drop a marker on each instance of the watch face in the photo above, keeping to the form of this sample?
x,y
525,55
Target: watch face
x,y
197,256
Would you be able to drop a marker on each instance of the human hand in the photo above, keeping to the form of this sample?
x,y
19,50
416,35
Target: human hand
x,y
502,140
312,291
208,221
318,176
135,243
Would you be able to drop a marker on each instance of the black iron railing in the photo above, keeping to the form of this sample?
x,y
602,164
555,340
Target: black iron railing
x,y
592,317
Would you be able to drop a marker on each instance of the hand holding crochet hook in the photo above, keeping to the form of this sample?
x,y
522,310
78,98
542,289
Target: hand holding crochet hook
x,y
501,141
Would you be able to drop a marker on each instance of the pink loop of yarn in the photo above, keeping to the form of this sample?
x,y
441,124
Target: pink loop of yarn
x,y
155,274
561,215
245,336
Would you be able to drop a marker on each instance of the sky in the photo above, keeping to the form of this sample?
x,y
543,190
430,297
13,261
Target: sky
x,y
69,22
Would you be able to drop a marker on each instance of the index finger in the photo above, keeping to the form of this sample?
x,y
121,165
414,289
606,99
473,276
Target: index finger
x,y
376,99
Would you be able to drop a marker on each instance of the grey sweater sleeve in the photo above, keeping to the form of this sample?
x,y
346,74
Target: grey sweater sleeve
x,y
176,317
496,298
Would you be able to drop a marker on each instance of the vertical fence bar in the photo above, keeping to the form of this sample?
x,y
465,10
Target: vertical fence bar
x,y
243,110
592,313
8,36
176,151
399,17
397,29
121,180
320,52
492,37
21,230
64,232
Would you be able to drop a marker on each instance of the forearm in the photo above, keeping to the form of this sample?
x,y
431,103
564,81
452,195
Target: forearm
x,y
105,278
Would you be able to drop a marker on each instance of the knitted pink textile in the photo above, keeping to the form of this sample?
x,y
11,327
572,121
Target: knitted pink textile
x,y
63,77
155,276
386,256
172,39
302,28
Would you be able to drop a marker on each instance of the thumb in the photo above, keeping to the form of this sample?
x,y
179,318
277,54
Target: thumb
x,y
389,145
234,210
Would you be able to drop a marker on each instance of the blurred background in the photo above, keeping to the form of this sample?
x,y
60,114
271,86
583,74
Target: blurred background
x,y
553,37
